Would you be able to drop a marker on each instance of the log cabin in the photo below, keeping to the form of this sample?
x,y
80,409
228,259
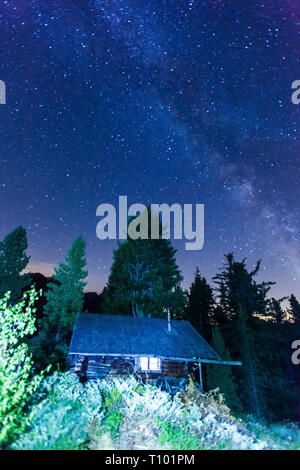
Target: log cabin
x,y
155,350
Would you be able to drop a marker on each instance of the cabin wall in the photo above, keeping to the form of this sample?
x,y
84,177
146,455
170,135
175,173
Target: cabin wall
x,y
173,374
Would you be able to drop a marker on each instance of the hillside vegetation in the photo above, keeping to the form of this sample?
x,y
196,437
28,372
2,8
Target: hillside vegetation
x,y
125,414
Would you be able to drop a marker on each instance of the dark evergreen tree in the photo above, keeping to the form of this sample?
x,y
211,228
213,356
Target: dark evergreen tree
x,y
253,334
144,279
237,290
13,260
221,376
294,309
218,317
278,394
275,310
199,309
64,300
249,378
237,287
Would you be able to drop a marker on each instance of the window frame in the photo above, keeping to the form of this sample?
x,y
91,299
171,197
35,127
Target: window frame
x,y
148,369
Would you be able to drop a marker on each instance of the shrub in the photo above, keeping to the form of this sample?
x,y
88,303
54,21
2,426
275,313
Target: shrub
x,y
112,421
63,414
178,437
17,381
125,414
145,400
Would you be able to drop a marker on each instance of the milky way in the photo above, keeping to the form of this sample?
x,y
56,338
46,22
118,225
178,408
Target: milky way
x,y
162,101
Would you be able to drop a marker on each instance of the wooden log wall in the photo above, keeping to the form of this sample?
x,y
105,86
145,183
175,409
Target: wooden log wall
x,y
172,377
174,368
100,367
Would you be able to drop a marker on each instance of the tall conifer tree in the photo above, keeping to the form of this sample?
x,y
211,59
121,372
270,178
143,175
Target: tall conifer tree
x,y
253,334
294,309
13,260
144,279
64,301
199,310
221,376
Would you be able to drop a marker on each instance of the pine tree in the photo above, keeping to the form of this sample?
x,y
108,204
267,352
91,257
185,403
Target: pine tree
x,y
13,260
64,301
243,302
278,395
275,310
218,316
294,309
236,286
221,376
144,279
254,332
199,310
252,396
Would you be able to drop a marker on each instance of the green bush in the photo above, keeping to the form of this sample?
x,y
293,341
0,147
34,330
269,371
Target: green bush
x,y
17,380
112,421
124,414
112,398
178,437
62,416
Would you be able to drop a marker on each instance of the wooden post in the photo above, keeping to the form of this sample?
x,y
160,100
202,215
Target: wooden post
x,y
200,376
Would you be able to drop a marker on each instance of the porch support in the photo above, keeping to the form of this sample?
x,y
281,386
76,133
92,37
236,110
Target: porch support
x,y
200,376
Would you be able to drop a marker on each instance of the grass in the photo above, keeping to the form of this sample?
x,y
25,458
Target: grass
x,y
125,414
112,422
178,438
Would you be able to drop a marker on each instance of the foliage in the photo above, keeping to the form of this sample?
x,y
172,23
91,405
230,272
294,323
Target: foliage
x,y
63,409
252,327
112,398
277,435
64,300
275,310
13,260
222,376
17,382
113,417
144,279
146,400
113,421
294,309
199,309
178,437
126,414
238,289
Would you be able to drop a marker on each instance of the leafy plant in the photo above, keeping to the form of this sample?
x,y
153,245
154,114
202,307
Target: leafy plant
x,y
178,437
63,412
112,398
17,382
112,421
126,414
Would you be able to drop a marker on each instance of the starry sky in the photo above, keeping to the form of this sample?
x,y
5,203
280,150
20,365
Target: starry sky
x,y
163,101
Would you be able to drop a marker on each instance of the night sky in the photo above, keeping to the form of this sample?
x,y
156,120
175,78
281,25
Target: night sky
x,y
162,101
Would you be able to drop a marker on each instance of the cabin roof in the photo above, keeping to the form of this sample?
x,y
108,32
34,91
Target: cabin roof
x,y
99,334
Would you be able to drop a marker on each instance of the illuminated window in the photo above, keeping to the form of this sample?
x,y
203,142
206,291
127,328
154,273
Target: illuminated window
x,y
154,363
150,363
144,363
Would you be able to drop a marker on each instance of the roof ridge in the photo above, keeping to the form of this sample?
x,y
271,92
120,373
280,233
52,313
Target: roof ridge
x,y
130,316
